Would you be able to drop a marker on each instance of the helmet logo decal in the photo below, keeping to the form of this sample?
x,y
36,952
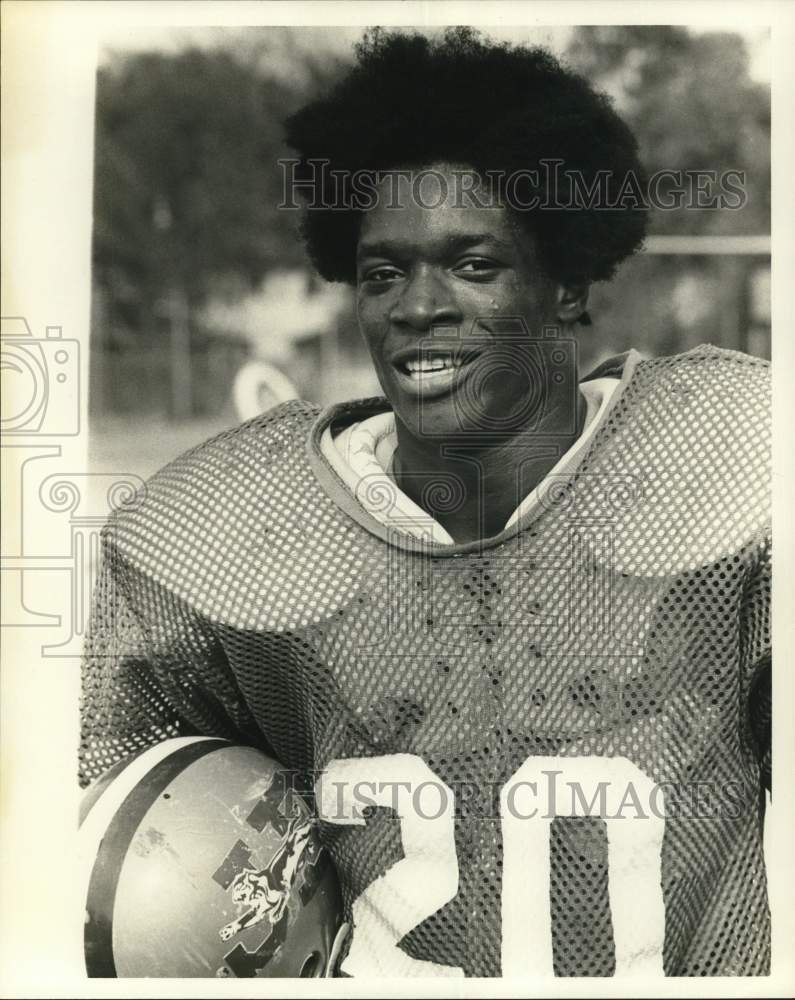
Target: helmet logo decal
x,y
265,893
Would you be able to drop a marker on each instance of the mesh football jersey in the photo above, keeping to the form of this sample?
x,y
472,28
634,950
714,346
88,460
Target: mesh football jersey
x,y
542,752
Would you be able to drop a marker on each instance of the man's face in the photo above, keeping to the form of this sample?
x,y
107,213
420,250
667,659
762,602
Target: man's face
x,y
439,294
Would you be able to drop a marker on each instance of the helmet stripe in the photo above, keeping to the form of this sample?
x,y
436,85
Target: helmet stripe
x,y
124,807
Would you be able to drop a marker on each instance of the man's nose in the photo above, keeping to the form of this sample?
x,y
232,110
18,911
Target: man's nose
x,y
425,301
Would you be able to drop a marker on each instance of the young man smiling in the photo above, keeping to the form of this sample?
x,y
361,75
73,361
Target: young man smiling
x,y
498,580
447,297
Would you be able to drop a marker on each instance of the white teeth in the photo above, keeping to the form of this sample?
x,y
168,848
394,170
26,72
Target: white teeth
x,y
432,364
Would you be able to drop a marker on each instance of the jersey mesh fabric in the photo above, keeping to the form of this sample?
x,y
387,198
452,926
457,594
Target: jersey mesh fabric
x,y
627,616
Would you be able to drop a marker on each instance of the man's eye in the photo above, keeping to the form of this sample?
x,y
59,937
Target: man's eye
x,y
481,266
381,274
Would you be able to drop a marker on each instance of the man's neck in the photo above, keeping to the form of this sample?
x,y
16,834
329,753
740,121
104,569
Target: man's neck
x,y
471,487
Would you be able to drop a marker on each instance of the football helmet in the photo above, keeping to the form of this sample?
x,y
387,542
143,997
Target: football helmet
x,y
201,859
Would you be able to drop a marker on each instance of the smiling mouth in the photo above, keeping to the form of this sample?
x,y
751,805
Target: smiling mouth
x,y
437,373
422,368
432,368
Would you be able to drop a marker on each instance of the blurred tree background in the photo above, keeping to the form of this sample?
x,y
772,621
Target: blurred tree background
x,y
185,214
197,270
693,106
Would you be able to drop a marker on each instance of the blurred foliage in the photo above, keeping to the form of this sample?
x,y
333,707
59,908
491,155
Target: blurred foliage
x,y
187,182
692,105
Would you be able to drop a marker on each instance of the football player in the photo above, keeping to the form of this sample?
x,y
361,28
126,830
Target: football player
x,y
510,619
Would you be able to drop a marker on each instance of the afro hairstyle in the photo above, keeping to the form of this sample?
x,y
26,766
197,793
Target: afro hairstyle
x,y
411,101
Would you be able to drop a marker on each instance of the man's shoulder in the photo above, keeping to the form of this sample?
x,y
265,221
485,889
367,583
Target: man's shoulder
x,y
718,369
260,440
706,363
710,405
217,470
691,433
231,511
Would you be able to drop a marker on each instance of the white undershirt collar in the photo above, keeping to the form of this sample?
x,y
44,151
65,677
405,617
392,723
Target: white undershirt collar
x,y
362,453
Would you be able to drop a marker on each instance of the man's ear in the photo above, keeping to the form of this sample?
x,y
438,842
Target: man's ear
x,y
572,301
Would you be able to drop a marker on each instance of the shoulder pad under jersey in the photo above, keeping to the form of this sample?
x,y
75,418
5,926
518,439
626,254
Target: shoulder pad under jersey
x,y
691,434
238,527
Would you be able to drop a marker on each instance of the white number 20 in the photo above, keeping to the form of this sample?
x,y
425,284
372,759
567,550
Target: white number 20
x,y
426,878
